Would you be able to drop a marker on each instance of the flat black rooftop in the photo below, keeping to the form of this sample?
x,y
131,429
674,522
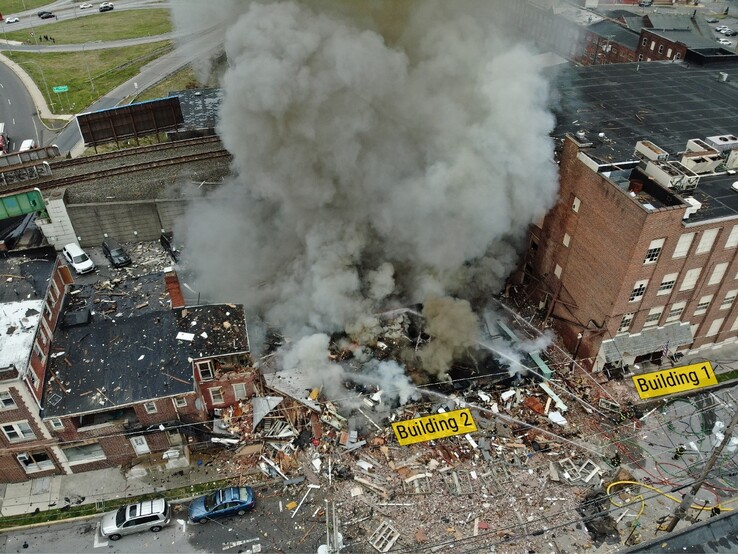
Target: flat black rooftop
x,y
129,354
26,276
666,103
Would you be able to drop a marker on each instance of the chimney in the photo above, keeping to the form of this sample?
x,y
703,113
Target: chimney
x,y
171,282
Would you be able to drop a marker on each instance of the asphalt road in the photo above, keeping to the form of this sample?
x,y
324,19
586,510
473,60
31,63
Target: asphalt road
x,y
266,529
18,112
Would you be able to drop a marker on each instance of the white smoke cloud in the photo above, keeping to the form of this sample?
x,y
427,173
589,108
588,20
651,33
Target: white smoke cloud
x,y
379,158
310,356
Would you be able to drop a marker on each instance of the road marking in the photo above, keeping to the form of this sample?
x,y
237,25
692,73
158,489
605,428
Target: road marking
x,y
234,544
98,544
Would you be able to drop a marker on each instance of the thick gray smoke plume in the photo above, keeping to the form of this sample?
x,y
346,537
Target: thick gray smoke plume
x,y
453,327
380,158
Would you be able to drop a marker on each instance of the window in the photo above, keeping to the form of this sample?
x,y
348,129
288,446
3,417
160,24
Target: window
x,y
205,369
717,273
35,461
84,453
575,204
625,322
661,48
150,407
653,316
703,304
715,327
732,241
239,389
677,56
676,311
180,402
682,247
644,42
654,251
638,291
690,279
18,431
39,352
729,299
54,290
653,45
706,241
667,283
640,56
557,271
56,423
567,239
216,395
6,401
668,53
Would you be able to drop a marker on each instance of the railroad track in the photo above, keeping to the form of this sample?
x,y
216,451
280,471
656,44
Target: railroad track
x,y
132,168
136,151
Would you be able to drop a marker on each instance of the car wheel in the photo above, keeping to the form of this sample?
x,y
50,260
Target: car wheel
x,y
241,512
114,537
199,520
156,528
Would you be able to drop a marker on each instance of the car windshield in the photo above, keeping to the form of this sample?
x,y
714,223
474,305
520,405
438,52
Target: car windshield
x,y
79,259
211,501
117,252
120,516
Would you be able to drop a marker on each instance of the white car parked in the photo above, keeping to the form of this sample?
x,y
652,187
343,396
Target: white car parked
x,y
78,259
12,20
724,41
85,6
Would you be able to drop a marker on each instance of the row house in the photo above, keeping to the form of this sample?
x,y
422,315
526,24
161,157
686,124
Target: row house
x,y
105,376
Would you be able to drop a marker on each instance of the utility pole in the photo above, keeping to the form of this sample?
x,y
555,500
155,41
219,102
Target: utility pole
x,y
681,510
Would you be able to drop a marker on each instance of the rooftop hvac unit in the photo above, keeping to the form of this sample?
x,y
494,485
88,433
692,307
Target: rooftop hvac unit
x,y
672,175
701,157
732,161
647,150
723,142
694,205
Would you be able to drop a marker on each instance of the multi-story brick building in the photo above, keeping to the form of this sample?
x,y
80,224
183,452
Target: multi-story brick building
x,y
640,255
111,374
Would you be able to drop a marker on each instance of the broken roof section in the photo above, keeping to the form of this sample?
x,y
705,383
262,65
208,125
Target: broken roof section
x,y
18,322
134,348
295,384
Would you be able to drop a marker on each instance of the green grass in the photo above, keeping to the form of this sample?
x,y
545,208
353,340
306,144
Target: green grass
x,y
11,7
181,80
107,69
99,26
722,377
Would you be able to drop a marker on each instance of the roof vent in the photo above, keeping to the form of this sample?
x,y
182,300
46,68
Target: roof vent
x,y
722,77
581,134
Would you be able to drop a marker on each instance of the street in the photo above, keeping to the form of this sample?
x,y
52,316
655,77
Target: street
x,y
266,529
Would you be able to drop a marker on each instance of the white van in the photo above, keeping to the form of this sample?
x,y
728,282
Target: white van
x,y
27,145
78,259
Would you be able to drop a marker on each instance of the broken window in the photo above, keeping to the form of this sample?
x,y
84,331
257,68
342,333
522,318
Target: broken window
x,y
638,291
6,401
625,322
654,251
35,461
18,431
667,283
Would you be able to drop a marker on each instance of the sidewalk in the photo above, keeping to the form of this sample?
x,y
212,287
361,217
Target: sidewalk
x,y
103,485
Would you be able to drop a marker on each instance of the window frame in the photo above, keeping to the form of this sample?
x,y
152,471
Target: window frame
x,y
689,281
625,322
672,314
3,405
150,407
18,431
703,304
638,291
56,426
683,246
654,251
236,394
706,242
219,391
180,402
729,299
205,365
652,321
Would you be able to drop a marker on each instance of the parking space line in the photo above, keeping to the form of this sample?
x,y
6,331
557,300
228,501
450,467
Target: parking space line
x,y
97,543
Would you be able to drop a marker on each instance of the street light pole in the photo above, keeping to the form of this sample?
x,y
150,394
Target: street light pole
x,y
43,78
87,66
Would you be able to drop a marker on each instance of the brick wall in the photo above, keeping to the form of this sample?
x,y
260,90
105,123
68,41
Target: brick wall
x,y
608,240
669,50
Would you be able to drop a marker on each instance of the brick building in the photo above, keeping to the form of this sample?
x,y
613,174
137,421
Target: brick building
x,y
640,256
112,374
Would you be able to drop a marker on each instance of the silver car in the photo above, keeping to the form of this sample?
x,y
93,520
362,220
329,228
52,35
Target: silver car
x,y
149,515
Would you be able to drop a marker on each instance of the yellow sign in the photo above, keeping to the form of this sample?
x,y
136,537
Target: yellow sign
x,y
434,426
679,379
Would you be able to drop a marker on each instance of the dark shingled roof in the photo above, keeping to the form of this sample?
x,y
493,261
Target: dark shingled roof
x,y
134,355
616,33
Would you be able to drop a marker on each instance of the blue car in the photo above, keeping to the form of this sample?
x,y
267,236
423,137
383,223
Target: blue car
x,y
223,502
